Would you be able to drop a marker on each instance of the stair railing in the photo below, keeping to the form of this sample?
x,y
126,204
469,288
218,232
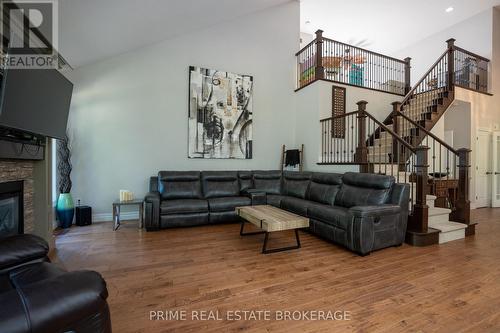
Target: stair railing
x,y
445,163
345,138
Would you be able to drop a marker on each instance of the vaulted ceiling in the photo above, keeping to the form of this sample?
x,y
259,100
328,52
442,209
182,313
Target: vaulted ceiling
x,y
91,30
386,25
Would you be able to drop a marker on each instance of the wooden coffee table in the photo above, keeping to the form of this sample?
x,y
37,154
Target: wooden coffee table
x,y
271,219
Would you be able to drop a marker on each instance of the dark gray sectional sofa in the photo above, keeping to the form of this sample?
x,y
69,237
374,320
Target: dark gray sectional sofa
x,y
363,212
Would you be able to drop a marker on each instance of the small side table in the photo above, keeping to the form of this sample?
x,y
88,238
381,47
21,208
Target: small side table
x,y
117,207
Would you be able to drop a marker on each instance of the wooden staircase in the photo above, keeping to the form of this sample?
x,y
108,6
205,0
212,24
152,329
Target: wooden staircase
x,y
403,146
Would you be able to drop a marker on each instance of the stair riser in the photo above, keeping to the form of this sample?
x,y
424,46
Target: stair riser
x,y
445,237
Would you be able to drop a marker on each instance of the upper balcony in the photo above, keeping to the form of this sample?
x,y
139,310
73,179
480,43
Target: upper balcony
x,y
327,59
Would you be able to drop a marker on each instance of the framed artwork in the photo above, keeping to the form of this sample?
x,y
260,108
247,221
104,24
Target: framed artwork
x,y
220,114
338,109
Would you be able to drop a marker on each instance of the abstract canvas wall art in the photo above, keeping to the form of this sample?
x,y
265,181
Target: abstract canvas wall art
x,y
220,114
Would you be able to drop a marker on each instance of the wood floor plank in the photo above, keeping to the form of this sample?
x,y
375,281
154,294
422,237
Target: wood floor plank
x,y
454,287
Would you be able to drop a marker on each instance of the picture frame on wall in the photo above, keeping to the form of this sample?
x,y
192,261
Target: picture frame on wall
x,y
220,119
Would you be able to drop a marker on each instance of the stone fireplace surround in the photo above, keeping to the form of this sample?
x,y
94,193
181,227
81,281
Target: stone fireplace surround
x,y
21,170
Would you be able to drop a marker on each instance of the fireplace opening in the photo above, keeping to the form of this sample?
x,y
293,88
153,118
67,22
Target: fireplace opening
x,y
11,208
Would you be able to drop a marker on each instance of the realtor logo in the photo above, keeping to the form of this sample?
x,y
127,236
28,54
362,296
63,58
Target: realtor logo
x,y
29,34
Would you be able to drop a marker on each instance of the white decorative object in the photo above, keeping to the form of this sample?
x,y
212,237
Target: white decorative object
x,y
126,195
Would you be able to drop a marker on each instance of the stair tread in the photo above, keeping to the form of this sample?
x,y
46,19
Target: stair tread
x,y
436,211
447,226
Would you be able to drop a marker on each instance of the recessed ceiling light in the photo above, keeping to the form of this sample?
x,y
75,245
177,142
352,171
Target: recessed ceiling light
x,y
308,22
449,9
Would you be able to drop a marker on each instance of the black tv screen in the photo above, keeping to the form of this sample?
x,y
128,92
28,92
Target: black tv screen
x,y
36,101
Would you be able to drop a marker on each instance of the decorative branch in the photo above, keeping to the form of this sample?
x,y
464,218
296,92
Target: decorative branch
x,y
64,166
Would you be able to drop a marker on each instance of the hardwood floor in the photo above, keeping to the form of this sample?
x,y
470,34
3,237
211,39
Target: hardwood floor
x,y
453,287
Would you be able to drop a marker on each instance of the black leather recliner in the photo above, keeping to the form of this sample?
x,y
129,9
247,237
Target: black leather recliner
x,y
363,212
37,296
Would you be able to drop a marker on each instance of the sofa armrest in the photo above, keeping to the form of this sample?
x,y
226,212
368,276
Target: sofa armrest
x,y
22,249
74,301
152,203
257,196
375,211
375,227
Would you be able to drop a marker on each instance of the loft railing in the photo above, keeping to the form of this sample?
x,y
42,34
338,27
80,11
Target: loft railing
x,y
470,70
327,59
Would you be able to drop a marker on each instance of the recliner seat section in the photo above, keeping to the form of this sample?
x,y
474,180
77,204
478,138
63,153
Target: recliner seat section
x,y
363,212
37,296
222,190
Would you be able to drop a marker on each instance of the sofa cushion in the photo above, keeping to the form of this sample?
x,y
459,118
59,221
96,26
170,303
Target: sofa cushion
x,y
324,187
296,184
183,206
19,249
218,184
296,205
274,200
333,215
179,185
267,181
227,203
245,178
363,189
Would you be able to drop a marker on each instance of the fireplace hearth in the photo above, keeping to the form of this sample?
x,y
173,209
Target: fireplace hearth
x,y
11,208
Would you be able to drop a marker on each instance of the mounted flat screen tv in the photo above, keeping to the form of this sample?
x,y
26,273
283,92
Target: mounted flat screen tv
x,y
36,101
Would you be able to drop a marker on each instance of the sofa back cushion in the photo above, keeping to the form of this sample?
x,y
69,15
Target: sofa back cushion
x,y
218,184
179,185
296,184
267,181
362,189
246,181
324,187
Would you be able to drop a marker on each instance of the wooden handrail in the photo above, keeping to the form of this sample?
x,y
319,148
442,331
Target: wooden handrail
x,y
410,93
305,47
391,132
365,50
414,123
457,48
339,116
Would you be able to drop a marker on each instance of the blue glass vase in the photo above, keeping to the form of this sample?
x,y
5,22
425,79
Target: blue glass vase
x,y
65,210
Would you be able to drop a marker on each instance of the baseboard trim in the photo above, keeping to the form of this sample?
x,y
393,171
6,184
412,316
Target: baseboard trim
x,y
108,217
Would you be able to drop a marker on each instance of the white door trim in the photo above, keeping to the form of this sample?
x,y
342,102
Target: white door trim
x,y
486,202
495,192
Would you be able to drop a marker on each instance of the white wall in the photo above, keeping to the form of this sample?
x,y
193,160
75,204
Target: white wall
x,y
315,102
473,34
456,119
128,118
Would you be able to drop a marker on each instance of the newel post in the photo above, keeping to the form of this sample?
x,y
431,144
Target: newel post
x,y
451,63
319,70
420,219
396,106
361,155
462,206
407,75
